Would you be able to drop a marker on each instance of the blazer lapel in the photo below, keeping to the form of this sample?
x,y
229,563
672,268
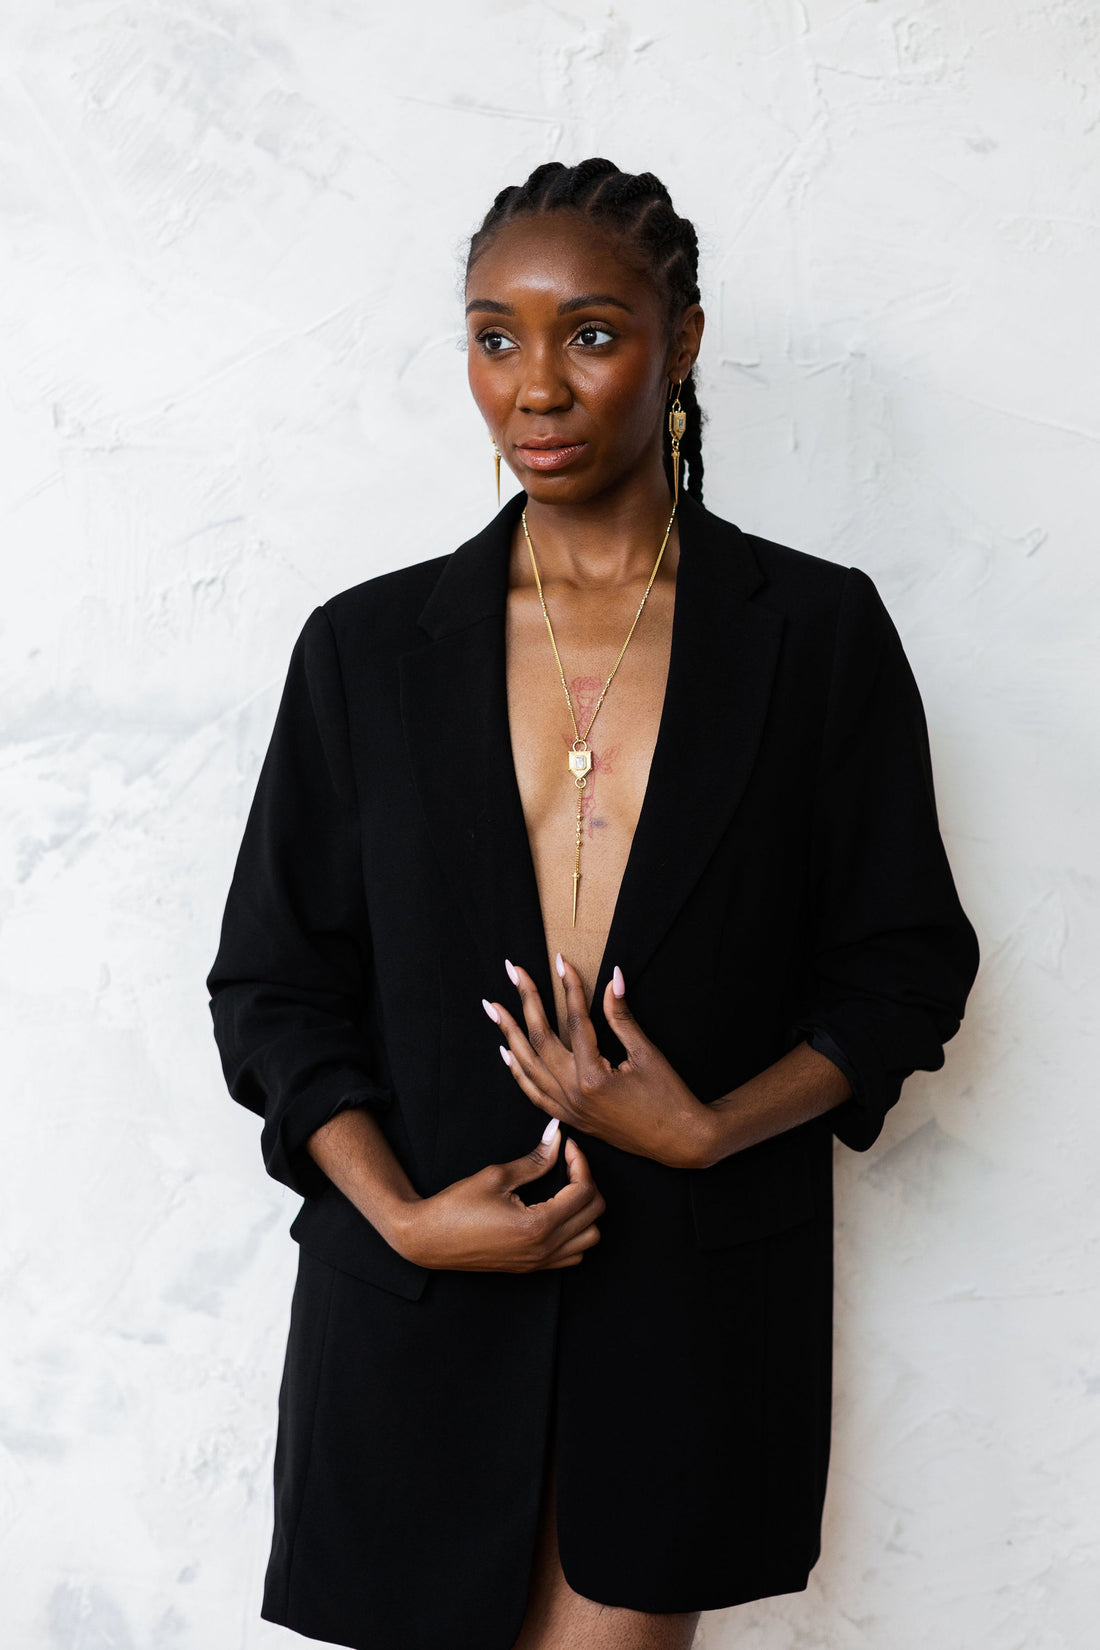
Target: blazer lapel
x,y
455,710
721,668
454,703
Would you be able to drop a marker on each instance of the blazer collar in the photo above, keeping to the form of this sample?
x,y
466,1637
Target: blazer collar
x,y
455,713
474,581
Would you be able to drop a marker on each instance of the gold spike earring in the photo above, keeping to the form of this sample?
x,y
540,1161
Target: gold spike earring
x,y
677,424
496,460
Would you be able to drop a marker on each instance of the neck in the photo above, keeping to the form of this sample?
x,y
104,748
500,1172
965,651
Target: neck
x,y
609,540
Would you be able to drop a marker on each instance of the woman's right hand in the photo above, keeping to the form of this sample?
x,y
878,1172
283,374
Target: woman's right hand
x,y
479,1224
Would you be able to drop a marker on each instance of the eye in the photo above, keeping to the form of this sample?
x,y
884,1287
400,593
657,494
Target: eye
x,y
494,343
593,336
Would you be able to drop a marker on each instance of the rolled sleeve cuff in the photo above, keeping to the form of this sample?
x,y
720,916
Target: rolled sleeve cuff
x,y
288,1129
856,1122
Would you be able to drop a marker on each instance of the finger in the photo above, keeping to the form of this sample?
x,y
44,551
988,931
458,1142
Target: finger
x,y
532,1087
535,1162
619,1017
571,1211
573,1252
579,1201
580,1182
576,1162
589,1062
541,1035
530,1070
580,1185
563,1223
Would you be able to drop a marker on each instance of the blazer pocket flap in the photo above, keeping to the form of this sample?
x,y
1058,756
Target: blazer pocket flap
x,y
754,1193
331,1227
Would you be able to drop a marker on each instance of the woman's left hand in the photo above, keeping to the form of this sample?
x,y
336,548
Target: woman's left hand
x,y
641,1106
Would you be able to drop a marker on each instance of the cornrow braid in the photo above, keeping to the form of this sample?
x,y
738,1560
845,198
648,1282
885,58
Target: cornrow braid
x,y
638,207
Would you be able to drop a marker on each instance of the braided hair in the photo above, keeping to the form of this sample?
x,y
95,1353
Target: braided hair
x,y
638,207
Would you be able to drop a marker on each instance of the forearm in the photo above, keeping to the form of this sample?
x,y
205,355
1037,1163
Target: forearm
x,y
801,1085
353,1152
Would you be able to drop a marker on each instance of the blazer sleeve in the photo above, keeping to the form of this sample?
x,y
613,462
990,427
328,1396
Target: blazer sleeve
x,y
290,986
893,955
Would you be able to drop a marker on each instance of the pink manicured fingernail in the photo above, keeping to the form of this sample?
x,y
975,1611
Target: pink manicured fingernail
x,y
550,1131
490,1011
505,1056
512,975
618,984
559,965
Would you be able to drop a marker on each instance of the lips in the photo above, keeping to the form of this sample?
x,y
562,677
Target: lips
x,y
549,452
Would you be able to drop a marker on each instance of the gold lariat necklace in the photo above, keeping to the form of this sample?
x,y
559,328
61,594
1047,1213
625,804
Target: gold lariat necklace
x,y
580,757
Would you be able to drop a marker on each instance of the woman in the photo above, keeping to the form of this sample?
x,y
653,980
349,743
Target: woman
x,y
658,793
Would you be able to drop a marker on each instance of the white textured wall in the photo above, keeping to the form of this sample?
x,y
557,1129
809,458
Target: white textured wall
x,y
228,326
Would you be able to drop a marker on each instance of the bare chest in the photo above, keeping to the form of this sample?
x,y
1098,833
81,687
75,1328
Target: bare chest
x,y
589,633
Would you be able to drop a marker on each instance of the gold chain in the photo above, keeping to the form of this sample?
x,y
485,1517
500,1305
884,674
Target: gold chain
x,y
580,757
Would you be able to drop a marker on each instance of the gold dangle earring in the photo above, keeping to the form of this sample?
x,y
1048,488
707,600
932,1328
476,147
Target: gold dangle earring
x,y
677,424
496,461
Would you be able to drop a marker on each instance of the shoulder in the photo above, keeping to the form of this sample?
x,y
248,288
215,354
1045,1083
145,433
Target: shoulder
x,y
810,590
834,624
807,585
385,607
815,589
760,567
840,640
837,613
786,568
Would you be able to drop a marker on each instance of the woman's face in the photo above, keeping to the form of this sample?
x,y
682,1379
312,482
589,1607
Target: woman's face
x,y
571,358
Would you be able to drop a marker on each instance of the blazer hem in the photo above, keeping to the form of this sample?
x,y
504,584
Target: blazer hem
x,y
723,1599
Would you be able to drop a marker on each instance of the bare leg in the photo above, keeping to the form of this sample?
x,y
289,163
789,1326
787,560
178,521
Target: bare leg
x,y
559,1619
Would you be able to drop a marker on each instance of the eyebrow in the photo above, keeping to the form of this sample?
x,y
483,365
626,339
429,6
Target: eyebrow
x,y
587,300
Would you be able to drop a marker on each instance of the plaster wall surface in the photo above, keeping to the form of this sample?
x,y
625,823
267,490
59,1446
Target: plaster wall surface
x,y
229,357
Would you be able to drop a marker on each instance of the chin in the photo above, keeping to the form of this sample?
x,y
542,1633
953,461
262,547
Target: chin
x,y
578,488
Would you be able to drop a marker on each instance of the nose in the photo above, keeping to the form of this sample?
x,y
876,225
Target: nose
x,y
544,387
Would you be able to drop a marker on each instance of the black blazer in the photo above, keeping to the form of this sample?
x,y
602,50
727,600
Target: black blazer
x,y
786,880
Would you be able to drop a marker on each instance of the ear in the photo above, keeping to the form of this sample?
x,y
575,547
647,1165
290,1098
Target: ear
x,y
686,340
